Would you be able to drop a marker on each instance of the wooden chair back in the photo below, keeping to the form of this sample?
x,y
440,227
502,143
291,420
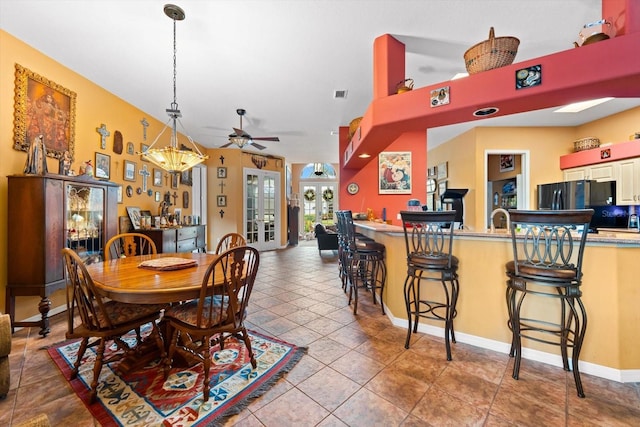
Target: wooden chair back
x,y
224,306
429,237
229,241
129,244
549,244
82,298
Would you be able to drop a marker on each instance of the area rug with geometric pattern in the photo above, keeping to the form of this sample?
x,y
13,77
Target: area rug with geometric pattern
x,y
146,398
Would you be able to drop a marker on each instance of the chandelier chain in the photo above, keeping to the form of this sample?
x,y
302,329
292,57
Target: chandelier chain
x,y
174,104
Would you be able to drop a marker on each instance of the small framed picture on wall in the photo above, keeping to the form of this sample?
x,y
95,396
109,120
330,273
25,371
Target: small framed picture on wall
x,y
103,165
129,170
157,177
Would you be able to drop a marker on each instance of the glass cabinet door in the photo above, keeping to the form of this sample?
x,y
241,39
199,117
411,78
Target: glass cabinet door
x,y
84,228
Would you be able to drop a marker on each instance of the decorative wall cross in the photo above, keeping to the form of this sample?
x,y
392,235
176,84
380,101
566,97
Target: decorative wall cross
x,y
222,185
104,133
174,196
145,125
222,160
145,174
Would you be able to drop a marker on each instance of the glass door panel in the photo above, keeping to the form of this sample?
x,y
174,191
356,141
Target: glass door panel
x,y
318,204
262,208
85,220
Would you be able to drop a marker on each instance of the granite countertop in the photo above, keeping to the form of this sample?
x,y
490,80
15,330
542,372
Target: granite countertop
x,y
608,236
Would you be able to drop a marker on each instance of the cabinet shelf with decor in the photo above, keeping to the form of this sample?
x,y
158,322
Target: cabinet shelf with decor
x,y
602,154
45,214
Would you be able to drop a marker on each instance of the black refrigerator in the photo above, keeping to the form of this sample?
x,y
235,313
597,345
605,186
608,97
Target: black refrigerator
x,y
576,194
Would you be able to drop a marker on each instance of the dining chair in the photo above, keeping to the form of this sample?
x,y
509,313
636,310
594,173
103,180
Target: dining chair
x,y
230,240
102,320
217,314
129,244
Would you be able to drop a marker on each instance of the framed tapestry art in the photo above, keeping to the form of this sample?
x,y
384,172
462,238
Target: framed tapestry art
x,y
394,170
43,107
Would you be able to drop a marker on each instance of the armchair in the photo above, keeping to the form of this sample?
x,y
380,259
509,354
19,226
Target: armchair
x,y
327,239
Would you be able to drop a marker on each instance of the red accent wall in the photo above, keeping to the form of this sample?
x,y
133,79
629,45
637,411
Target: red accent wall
x,y
367,178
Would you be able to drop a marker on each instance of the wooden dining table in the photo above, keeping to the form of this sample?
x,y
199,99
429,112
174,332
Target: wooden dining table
x,y
123,279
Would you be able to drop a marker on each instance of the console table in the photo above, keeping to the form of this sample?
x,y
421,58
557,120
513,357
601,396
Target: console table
x,y
180,239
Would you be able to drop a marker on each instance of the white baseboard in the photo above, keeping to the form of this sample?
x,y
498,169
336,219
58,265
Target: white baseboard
x,y
623,376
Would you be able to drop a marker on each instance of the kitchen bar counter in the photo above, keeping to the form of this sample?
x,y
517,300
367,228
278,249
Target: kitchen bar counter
x,y
611,236
611,294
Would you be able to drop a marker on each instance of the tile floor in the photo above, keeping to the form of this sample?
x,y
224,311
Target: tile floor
x,y
357,371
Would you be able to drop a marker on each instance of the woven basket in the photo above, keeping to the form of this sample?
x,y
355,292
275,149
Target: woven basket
x,y
353,126
493,53
586,143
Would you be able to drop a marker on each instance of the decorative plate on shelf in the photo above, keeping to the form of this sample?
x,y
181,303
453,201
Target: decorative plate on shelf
x,y
353,188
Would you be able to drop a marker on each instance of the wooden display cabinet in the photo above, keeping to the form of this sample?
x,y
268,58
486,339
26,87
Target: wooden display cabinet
x,y
45,214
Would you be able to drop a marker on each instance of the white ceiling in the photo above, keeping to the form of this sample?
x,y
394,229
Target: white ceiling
x,y
282,60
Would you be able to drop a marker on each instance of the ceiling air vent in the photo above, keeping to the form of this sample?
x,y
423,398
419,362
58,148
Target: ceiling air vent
x,y
340,94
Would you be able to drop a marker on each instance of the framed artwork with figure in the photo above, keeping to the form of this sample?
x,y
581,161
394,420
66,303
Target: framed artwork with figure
x,y
507,162
103,166
43,107
394,169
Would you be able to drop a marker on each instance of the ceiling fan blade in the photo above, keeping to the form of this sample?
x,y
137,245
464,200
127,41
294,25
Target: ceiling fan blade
x,y
241,133
258,146
267,138
226,145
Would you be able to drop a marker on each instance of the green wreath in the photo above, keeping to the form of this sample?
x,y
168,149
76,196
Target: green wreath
x,y
310,195
327,195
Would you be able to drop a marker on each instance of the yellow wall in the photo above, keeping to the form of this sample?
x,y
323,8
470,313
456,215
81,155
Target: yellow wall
x,y
94,106
232,219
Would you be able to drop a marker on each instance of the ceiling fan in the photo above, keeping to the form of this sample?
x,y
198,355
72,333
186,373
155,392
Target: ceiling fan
x,y
242,139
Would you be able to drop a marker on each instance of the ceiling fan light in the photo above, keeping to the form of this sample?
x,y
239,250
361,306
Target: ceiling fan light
x,y
240,141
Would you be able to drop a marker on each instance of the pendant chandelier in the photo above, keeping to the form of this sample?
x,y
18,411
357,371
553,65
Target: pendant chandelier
x,y
171,158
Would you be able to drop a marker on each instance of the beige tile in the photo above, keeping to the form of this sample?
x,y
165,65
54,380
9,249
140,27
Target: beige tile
x,y
300,336
306,367
468,388
439,408
366,408
327,350
329,388
403,390
292,408
357,367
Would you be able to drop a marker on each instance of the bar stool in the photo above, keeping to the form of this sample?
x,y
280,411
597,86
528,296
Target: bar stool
x,y
362,261
345,232
548,247
429,242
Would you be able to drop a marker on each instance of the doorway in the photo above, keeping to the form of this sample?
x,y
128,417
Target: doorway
x,y
262,216
505,187
319,200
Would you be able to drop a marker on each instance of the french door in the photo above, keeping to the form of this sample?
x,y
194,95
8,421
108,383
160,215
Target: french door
x,y
318,204
262,216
